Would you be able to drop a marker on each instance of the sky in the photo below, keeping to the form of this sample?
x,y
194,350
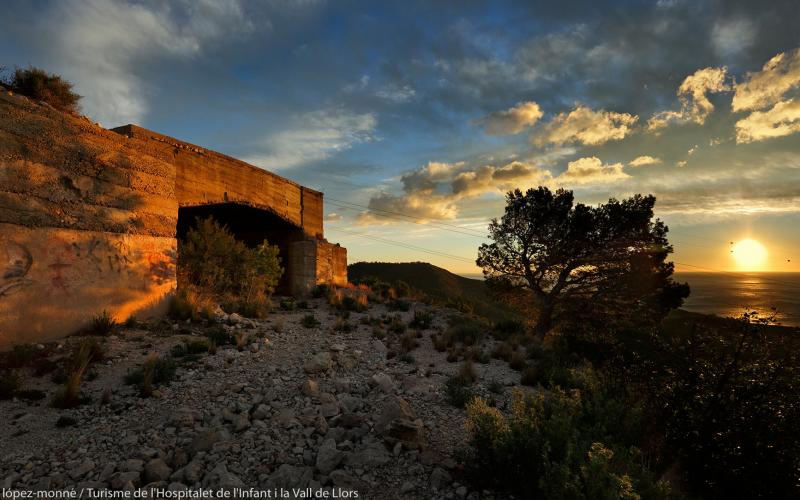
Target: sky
x,y
415,117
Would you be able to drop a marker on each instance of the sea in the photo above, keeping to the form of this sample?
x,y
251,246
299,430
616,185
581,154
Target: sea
x,y
731,294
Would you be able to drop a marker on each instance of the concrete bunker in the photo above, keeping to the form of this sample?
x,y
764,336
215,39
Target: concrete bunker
x,y
90,219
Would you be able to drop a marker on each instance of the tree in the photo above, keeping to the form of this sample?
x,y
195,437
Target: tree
x,y
611,256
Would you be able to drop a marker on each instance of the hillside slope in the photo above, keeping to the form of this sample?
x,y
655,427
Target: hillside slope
x,y
435,282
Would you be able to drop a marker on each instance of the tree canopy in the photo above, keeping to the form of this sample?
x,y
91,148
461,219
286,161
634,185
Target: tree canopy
x,y
611,256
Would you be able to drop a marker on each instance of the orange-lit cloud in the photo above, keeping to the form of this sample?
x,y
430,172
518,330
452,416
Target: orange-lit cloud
x,y
780,120
513,120
767,87
693,94
586,126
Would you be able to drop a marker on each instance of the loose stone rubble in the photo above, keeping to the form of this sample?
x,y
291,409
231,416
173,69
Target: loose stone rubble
x,y
295,408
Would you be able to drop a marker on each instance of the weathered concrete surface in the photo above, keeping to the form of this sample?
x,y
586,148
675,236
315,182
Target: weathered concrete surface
x,y
206,177
87,223
88,218
54,281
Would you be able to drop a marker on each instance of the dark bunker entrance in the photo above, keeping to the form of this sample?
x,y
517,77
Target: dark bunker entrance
x,y
249,225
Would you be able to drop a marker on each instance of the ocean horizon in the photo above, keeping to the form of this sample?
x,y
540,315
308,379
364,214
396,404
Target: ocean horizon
x,y
731,294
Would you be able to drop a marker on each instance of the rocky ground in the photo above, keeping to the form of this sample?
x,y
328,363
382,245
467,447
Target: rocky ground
x,y
294,407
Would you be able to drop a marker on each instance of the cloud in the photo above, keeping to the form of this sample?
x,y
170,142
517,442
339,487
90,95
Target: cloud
x,y
513,120
333,217
423,205
591,170
780,120
641,161
586,126
315,136
436,190
488,178
103,44
766,87
397,94
731,37
693,94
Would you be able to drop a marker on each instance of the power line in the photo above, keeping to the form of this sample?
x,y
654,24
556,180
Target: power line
x,y
419,221
407,246
408,216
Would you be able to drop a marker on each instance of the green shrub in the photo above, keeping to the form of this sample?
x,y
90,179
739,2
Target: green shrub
x,y
422,320
310,321
69,395
288,304
402,289
408,342
464,330
154,372
549,447
397,326
458,391
357,304
503,351
506,328
219,336
191,348
101,325
42,86
398,305
214,263
189,303
342,325
321,291
407,358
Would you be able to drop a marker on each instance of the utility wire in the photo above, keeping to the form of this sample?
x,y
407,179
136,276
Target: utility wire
x,y
405,245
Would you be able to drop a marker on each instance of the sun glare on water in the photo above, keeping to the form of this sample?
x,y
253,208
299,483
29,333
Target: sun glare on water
x,y
749,254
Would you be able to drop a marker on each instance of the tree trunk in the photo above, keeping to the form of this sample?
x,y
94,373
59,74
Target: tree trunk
x,y
545,320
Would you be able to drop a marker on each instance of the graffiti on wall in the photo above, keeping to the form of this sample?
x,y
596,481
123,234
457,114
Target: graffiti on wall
x,y
16,263
64,265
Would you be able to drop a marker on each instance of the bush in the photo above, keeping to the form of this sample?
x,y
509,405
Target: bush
x,y
215,264
398,305
102,325
69,395
342,325
310,321
402,289
507,328
458,391
397,326
422,320
320,291
727,396
288,304
408,342
549,447
189,303
503,351
42,86
219,336
154,372
464,330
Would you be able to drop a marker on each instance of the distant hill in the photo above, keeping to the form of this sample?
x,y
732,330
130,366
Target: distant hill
x,y
437,283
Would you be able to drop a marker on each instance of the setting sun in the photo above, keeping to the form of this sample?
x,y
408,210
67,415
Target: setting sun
x,y
749,254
